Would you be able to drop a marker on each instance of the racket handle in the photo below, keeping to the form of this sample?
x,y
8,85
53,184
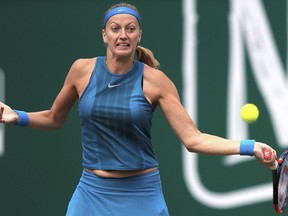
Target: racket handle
x,y
267,154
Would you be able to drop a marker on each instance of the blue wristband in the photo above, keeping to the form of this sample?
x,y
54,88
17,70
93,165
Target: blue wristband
x,y
247,147
23,118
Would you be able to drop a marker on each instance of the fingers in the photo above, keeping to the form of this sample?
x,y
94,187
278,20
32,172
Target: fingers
x,y
270,157
265,154
269,153
7,115
1,114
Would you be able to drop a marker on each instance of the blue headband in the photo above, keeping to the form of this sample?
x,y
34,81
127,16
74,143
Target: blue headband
x,y
121,10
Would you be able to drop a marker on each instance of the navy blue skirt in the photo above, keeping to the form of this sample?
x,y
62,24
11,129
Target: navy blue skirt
x,y
139,195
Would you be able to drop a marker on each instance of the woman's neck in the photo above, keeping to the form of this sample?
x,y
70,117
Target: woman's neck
x,y
119,65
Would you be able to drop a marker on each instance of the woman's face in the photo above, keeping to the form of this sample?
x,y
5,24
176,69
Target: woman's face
x,y
122,35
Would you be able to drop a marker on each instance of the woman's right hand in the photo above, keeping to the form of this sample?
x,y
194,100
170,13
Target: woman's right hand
x,y
259,149
7,115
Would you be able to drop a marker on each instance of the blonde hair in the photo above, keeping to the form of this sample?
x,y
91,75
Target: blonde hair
x,y
146,56
143,54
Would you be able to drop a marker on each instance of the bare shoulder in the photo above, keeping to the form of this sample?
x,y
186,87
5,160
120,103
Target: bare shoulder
x,y
82,65
81,68
159,80
155,76
151,73
157,86
79,74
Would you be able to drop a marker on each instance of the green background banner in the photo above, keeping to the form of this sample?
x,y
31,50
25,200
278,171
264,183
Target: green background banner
x,y
220,55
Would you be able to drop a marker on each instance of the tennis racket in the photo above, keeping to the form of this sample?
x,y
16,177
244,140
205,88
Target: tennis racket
x,y
280,180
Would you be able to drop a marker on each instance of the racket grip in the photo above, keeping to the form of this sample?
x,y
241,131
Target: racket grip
x,y
267,154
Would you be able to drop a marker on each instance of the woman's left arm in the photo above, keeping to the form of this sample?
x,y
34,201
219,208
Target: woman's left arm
x,y
191,137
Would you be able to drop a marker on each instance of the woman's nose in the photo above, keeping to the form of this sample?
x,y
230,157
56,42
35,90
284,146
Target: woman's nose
x,y
123,34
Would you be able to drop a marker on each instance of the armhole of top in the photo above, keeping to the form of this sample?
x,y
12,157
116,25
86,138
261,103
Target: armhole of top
x,y
90,79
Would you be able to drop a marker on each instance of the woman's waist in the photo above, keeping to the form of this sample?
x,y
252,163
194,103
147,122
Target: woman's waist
x,y
148,181
120,173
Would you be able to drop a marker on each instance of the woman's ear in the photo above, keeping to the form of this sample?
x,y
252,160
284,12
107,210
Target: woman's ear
x,y
140,36
104,36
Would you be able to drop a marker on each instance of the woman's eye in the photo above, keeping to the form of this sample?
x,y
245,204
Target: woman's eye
x,y
114,29
131,29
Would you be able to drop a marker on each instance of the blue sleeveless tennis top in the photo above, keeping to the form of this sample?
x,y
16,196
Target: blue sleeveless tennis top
x,y
116,119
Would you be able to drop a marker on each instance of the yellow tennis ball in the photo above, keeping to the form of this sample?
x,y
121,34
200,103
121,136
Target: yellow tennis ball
x,y
249,113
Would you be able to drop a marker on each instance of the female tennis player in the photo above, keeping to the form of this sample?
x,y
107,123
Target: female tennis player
x,y
117,95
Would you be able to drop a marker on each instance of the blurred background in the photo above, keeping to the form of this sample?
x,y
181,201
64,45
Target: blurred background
x,y
220,55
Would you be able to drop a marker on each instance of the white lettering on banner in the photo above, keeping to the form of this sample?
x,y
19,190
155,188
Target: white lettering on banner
x,y
248,26
2,98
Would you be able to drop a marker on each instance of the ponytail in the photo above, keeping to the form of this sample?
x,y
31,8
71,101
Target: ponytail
x,y
146,56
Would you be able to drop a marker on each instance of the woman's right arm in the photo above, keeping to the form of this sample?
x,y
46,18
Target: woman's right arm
x,y
54,117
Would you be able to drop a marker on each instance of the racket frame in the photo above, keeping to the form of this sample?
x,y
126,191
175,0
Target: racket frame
x,y
276,172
